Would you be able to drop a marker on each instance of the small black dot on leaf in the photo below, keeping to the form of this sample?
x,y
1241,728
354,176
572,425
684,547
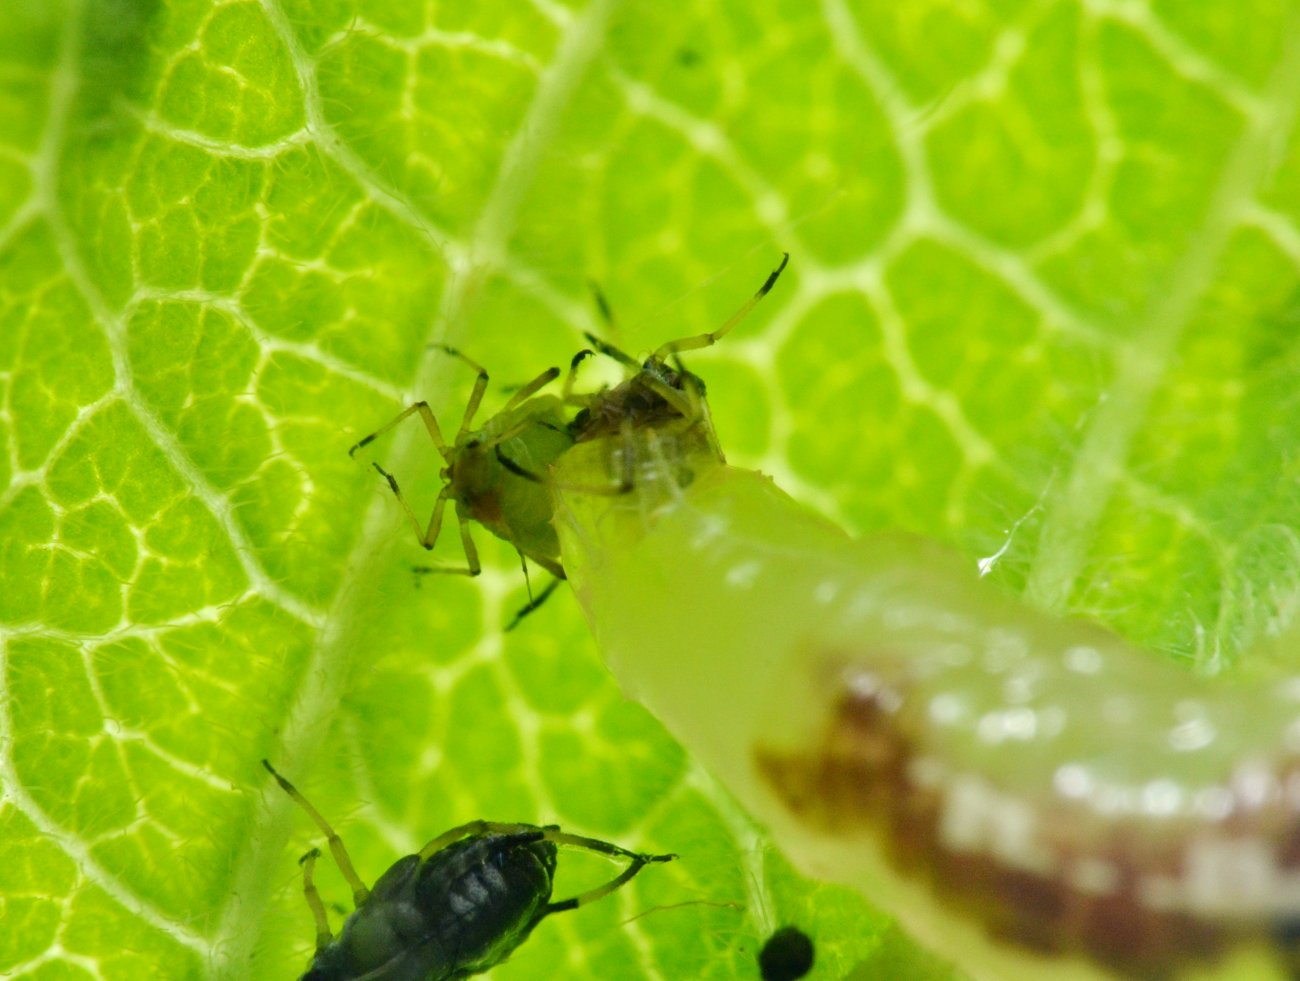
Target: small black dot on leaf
x,y
787,955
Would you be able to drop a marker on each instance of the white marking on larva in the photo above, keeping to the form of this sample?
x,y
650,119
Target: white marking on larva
x,y
976,818
744,575
1003,649
1020,724
949,709
1092,875
1007,725
1073,781
1229,876
962,823
826,591
869,688
1082,659
1163,798
711,528
1021,687
862,685
1213,803
1115,801
1255,786
1192,735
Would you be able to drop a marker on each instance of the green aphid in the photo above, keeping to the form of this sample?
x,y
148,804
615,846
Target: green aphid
x,y
529,428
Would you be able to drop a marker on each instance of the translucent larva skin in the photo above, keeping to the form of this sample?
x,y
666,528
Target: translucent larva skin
x,y
1029,794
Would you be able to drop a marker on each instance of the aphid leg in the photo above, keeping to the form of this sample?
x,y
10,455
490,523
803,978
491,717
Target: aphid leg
x,y
610,351
706,419
472,828
430,534
528,581
337,848
712,337
551,566
472,566
566,393
476,393
683,401
695,413
637,862
665,463
516,429
533,604
532,388
323,933
430,423
467,543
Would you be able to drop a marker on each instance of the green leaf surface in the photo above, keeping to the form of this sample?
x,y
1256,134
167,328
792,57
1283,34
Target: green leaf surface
x,y
1042,305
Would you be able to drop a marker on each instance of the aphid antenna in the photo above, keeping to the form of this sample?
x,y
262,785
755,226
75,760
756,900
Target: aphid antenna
x,y
710,338
337,848
525,392
684,904
528,582
530,387
533,604
637,863
602,306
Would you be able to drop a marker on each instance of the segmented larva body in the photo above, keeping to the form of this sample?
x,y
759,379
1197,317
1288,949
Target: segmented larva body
x,y
1029,794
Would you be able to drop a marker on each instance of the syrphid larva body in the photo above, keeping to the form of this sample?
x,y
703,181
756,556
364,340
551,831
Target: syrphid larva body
x,y
1028,793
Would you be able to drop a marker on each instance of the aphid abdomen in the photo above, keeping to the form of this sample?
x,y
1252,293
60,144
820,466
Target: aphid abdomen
x,y
483,896
456,908
1011,784
527,506
387,937
512,507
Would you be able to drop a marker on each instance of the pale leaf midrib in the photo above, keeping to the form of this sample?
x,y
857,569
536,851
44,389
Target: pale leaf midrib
x,y
330,664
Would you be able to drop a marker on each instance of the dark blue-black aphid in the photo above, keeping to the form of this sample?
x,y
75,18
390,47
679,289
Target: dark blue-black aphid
x,y
787,955
458,907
